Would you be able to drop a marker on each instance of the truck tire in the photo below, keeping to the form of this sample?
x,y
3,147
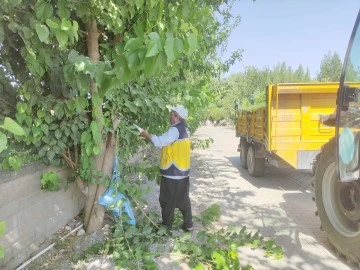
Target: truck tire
x,y
255,165
244,147
338,206
315,163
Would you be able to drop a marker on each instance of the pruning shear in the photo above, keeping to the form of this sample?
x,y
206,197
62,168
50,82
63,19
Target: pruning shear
x,y
131,123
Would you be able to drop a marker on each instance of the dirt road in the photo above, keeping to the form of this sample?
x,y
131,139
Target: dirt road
x,y
279,205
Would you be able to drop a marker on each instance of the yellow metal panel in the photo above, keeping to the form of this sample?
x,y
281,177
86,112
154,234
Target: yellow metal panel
x,y
257,124
295,114
285,145
288,132
242,123
287,116
291,156
284,124
307,88
286,141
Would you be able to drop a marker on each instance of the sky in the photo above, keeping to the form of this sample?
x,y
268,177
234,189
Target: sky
x,y
291,31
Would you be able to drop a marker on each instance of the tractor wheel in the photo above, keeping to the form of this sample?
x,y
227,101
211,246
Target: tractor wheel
x,y
255,165
315,163
244,147
338,206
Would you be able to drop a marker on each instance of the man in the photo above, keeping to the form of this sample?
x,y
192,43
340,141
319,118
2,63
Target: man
x,y
174,167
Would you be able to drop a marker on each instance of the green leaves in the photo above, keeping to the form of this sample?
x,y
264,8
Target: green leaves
x,y
173,47
42,32
210,215
3,141
133,60
219,260
52,24
80,66
192,42
21,107
50,181
273,250
133,44
169,47
154,64
63,11
178,46
63,30
75,29
14,162
154,45
139,3
62,38
13,127
65,25
50,154
43,10
95,132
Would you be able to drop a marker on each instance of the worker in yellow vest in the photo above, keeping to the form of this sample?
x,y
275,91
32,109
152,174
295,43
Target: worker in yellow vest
x,y
174,167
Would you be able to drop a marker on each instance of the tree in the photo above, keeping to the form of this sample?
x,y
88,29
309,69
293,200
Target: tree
x,y
249,87
330,68
80,66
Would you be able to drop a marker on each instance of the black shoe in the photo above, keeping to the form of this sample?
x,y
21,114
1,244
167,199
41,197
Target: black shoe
x,y
187,229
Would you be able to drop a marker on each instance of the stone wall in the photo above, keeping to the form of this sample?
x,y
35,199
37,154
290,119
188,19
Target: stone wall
x,y
31,214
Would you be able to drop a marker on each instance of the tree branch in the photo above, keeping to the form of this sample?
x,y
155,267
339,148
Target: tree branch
x,y
69,161
76,149
82,186
7,103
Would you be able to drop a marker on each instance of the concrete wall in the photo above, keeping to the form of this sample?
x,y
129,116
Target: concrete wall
x,y
31,214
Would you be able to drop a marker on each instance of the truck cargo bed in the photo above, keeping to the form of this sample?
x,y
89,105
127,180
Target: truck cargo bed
x,y
289,127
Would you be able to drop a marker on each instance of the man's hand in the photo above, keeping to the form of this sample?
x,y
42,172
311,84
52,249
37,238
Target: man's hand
x,y
145,134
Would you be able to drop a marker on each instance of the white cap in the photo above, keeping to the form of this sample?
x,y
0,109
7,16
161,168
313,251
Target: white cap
x,y
181,111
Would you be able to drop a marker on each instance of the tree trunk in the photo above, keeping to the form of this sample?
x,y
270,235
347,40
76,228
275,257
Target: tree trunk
x,y
98,211
94,213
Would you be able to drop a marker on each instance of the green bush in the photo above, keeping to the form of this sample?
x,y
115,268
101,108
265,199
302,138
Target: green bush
x,y
50,181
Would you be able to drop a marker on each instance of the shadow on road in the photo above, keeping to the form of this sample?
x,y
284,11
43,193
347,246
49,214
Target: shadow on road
x,y
279,205
275,178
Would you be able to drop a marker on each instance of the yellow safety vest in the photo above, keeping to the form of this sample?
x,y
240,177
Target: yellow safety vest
x,y
175,157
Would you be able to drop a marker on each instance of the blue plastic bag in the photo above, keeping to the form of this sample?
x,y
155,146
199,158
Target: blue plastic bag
x,y
111,197
126,207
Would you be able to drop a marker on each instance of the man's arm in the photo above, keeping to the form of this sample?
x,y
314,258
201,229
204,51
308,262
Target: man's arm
x,y
171,135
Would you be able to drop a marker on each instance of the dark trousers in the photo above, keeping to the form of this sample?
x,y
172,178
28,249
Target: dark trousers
x,y
174,193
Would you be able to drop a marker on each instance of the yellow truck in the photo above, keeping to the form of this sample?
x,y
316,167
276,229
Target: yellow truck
x,y
289,131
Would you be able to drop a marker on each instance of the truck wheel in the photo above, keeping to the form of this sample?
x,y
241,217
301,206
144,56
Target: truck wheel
x,y
338,206
244,146
255,166
315,163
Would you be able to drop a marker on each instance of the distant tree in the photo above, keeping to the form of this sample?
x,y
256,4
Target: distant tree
x,y
307,75
249,87
352,73
330,68
299,73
